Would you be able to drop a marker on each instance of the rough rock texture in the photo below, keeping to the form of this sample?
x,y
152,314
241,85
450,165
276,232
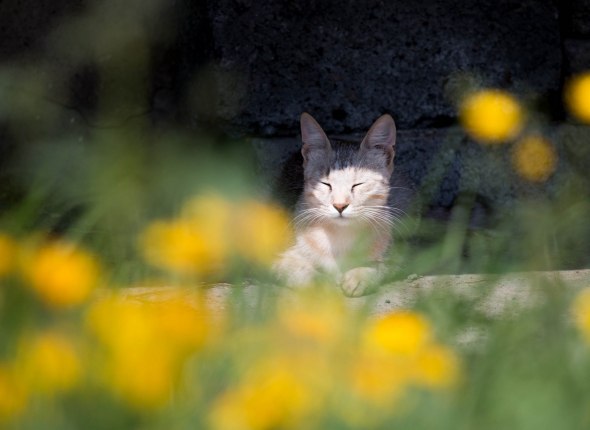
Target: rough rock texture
x,y
508,293
577,55
347,62
24,24
580,17
257,65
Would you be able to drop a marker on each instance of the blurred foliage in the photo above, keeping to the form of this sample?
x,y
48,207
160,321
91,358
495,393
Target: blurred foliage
x,y
100,195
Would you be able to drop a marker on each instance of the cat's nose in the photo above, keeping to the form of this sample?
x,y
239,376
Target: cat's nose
x,y
340,206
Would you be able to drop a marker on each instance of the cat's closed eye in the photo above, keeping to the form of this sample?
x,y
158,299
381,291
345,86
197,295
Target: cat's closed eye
x,y
327,184
356,185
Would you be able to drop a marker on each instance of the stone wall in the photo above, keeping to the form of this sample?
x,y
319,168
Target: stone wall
x,y
347,62
575,21
249,68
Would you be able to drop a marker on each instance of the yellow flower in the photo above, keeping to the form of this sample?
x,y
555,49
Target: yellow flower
x,y
270,396
145,345
139,365
210,230
182,246
577,96
491,116
62,274
182,325
144,378
581,312
172,323
534,158
120,324
398,352
436,367
314,316
134,368
212,212
262,231
13,396
378,378
383,367
8,252
49,363
194,244
401,333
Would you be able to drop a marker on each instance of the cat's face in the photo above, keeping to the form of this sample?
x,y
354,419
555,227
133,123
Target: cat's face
x,y
347,193
346,183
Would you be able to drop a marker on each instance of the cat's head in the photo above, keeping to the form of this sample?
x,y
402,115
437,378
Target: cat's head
x,y
343,183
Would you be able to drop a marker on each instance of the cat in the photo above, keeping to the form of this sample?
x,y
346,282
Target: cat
x,y
344,216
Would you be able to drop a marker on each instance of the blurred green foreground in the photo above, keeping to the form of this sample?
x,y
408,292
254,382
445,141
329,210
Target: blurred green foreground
x,y
92,205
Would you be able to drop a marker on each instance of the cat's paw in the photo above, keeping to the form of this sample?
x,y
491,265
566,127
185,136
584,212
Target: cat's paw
x,y
356,282
294,272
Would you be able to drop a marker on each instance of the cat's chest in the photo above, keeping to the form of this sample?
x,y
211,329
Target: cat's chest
x,y
336,242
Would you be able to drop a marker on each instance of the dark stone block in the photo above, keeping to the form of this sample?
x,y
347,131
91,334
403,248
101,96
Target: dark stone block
x,y
25,24
347,62
580,17
577,55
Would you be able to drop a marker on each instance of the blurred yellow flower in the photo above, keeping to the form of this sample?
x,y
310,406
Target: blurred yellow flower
x,y
581,312
577,96
8,252
270,396
182,246
212,212
182,325
534,158
49,363
399,351
144,378
194,244
120,324
491,116
313,316
62,274
145,345
262,231
13,396
210,229
378,378
436,367
402,333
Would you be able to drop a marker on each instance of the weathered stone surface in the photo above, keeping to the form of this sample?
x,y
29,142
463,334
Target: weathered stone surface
x,y
24,24
257,65
506,294
577,55
348,62
580,17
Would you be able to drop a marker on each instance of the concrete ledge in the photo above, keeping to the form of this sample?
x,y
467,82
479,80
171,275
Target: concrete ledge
x,y
505,292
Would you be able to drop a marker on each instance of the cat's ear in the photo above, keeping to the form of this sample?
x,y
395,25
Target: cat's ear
x,y
316,145
378,146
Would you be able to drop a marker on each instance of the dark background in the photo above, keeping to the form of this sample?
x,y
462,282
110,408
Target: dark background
x,y
247,69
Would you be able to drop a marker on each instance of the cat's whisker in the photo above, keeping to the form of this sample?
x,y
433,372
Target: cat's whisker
x,y
371,222
304,222
385,216
383,222
390,209
390,223
301,218
399,222
306,217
